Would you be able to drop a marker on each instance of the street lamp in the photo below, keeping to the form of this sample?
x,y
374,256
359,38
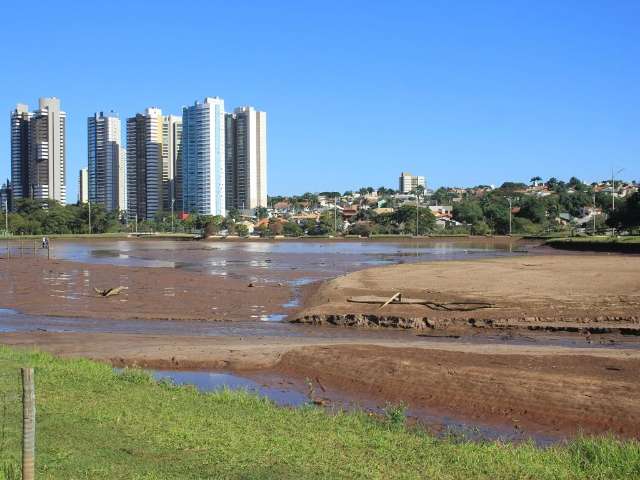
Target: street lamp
x,y
613,194
593,214
613,188
417,213
510,210
89,217
173,201
6,217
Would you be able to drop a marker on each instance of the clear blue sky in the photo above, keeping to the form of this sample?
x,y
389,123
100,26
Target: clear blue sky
x,y
463,92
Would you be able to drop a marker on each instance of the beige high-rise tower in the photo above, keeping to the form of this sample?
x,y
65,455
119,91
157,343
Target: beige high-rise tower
x,y
246,158
38,151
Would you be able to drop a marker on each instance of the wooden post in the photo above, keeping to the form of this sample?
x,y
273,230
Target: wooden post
x,y
8,249
48,250
28,424
34,248
21,247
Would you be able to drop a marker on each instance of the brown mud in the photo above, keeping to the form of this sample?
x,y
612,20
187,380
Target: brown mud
x,y
533,387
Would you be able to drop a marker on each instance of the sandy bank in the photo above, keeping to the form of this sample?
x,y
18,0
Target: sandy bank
x,y
570,291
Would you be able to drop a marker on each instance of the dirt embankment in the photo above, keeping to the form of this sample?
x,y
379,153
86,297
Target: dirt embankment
x,y
548,394
593,293
545,390
61,288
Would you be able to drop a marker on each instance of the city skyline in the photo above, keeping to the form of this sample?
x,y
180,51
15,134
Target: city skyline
x,y
484,93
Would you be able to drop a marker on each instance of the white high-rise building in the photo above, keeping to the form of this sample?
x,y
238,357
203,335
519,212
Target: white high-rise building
x,y
38,151
246,158
105,161
172,162
144,164
83,186
408,183
203,157
122,180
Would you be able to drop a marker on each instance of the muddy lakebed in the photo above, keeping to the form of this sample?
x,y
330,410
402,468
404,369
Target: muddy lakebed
x,y
294,266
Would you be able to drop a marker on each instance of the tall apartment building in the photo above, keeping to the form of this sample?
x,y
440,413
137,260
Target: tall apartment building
x,y
38,151
83,185
122,181
105,161
20,119
203,157
144,164
171,162
409,182
246,158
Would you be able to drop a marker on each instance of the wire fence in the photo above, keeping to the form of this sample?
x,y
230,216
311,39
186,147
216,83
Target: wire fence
x,y
17,248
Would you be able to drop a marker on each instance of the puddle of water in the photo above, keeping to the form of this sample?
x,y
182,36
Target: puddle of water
x,y
274,317
213,382
287,394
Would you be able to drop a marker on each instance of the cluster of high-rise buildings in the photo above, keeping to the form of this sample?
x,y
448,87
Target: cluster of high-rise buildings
x,y
206,161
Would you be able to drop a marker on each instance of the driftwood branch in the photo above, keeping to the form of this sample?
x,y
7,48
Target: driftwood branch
x,y
398,299
107,292
395,296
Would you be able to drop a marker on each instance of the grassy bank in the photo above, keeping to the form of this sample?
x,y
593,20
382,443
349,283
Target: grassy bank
x,y
630,244
94,424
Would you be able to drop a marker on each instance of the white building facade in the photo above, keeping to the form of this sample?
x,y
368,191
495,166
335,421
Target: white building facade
x,y
408,183
105,158
203,157
172,162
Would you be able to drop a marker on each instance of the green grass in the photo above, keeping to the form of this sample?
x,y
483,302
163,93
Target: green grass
x,y
94,424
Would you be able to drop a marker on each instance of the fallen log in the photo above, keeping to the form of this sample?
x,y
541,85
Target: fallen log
x,y
398,299
108,292
396,296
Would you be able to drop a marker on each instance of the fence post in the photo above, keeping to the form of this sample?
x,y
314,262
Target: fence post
x,y
8,249
28,424
34,248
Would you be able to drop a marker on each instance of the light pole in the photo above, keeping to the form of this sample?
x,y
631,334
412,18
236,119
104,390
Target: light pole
x,y
6,217
613,194
173,200
613,188
136,222
417,213
335,215
510,209
89,217
593,214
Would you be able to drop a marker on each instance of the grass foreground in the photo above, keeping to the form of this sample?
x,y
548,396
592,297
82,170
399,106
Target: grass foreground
x,y
95,424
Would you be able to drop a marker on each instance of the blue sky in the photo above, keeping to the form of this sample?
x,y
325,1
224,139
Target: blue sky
x,y
463,92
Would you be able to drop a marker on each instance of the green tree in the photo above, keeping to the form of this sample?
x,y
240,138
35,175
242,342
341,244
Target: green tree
x,y
261,212
468,211
242,230
292,229
533,209
627,215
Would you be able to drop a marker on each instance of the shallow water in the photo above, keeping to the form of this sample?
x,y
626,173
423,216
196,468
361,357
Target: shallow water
x,y
271,260
288,394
